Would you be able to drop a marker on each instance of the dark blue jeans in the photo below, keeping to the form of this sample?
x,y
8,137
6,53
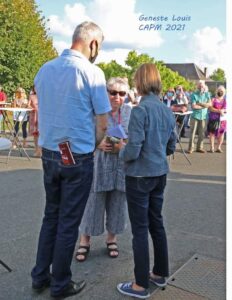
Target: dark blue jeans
x,y
145,201
24,128
67,190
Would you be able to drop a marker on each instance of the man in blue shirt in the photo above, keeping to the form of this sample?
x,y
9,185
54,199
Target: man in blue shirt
x,y
73,107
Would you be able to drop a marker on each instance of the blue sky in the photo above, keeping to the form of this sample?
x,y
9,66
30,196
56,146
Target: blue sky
x,y
201,40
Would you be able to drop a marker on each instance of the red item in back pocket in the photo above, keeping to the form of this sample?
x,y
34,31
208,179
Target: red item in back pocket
x,y
66,153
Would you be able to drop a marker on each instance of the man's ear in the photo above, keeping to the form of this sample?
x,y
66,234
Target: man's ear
x,y
93,46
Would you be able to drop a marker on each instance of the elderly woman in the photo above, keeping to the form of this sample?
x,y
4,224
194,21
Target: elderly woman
x,y
217,122
150,136
108,189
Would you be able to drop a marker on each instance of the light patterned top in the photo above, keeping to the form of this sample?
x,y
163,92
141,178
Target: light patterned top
x,y
108,167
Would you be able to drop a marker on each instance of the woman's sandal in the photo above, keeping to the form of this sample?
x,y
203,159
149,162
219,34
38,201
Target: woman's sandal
x,y
111,249
84,254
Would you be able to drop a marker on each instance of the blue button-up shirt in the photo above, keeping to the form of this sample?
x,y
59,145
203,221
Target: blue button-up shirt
x,y
71,91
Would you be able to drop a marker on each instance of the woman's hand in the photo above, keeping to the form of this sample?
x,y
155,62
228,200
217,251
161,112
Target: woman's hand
x,y
105,146
117,147
222,112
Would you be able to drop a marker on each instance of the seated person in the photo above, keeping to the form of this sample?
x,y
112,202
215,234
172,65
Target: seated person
x,y
169,97
180,104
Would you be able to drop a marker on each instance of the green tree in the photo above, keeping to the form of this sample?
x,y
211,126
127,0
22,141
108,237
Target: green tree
x,y
24,43
218,75
134,60
113,69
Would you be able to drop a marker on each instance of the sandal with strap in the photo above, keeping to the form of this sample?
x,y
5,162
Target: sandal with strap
x,y
84,254
111,249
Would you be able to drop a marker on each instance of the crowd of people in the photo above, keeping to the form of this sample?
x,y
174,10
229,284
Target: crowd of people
x,y
207,118
23,118
108,174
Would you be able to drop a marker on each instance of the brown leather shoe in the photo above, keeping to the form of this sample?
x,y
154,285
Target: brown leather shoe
x,y
190,151
201,150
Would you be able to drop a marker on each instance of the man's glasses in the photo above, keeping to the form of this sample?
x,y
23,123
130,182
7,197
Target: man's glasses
x,y
114,93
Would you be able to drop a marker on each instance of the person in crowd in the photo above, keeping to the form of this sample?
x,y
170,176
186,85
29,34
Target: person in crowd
x,y
200,101
3,98
33,120
169,97
73,106
217,122
132,97
151,135
20,101
180,104
107,197
180,98
189,108
137,97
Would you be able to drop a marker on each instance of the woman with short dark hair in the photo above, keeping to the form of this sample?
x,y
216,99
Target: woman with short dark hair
x,y
150,136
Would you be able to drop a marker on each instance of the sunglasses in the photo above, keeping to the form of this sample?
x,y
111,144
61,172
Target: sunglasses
x,y
114,93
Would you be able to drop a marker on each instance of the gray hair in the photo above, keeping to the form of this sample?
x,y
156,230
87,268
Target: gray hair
x,y
87,31
222,88
118,80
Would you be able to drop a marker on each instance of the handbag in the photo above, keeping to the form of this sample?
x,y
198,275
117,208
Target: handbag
x,y
213,125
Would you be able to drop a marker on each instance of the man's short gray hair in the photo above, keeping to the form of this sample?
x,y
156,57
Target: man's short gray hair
x,y
87,31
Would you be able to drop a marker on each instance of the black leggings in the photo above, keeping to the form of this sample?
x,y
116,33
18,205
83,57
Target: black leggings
x,y
24,128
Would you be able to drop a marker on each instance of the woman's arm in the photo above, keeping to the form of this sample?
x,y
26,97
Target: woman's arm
x,y
136,135
15,103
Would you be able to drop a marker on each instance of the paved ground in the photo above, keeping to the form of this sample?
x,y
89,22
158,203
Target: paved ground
x,y
194,214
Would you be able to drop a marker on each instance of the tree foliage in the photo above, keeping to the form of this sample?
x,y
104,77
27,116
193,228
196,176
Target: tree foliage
x,y
24,43
218,75
113,69
133,61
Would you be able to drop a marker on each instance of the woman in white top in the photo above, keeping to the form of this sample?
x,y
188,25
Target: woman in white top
x,y
21,101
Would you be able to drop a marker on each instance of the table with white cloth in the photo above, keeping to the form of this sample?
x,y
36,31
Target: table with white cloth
x,y
17,112
2,126
179,129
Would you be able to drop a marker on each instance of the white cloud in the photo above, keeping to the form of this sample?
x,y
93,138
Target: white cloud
x,y
59,27
119,55
118,20
209,48
61,45
76,13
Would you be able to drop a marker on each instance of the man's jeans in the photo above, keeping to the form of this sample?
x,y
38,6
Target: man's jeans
x,y
67,190
145,200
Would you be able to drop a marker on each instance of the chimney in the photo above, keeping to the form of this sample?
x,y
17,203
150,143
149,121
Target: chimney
x,y
205,72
